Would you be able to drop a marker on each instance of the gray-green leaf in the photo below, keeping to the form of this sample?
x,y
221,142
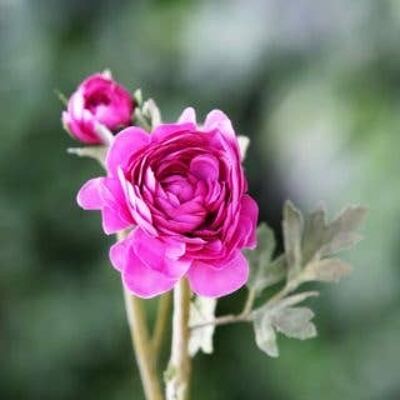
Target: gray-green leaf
x,y
282,316
340,232
202,309
326,270
295,322
265,335
292,233
314,234
321,239
96,152
263,272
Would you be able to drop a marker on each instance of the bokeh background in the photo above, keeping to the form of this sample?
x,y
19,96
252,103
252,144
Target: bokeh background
x,y
314,84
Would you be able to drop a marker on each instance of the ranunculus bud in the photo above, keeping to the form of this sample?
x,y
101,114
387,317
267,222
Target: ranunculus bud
x,y
183,191
98,100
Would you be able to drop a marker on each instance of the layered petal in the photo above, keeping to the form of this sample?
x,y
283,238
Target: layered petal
x,y
164,257
143,281
217,120
149,266
183,189
126,144
89,196
209,281
188,115
247,224
106,194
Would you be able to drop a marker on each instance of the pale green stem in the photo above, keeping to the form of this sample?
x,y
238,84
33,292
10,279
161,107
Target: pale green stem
x,y
247,315
251,297
179,369
142,344
163,311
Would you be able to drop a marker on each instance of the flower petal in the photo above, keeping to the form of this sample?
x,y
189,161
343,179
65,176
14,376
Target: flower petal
x,y
89,196
164,257
188,115
248,219
143,281
119,254
216,119
113,222
205,167
206,280
126,144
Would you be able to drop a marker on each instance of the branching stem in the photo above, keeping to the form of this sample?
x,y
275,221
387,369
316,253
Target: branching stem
x,y
247,315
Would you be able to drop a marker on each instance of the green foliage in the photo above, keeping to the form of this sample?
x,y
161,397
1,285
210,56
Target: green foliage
x,y
323,116
281,316
202,310
263,272
292,234
97,153
308,243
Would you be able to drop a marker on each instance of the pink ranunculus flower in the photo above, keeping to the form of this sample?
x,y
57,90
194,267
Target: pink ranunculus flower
x,y
97,100
183,191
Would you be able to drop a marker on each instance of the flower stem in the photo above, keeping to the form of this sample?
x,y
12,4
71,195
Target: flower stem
x,y
141,342
247,313
251,297
163,310
225,320
142,346
178,373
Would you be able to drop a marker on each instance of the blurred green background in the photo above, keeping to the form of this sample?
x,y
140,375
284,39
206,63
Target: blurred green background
x,y
314,84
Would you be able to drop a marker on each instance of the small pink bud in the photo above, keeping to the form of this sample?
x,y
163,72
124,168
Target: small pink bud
x,y
98,100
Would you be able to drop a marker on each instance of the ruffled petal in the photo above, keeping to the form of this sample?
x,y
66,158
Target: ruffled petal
x,y
113,221
119,254
164,257
188,115
217,120
89,196
143,281
209,281
205,167
248,221
106,194
126,144
138,278
165,131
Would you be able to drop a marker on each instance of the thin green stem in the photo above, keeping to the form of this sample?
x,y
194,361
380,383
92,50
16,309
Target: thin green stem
x,y
247,315
179,368
251,297
163,311
142,344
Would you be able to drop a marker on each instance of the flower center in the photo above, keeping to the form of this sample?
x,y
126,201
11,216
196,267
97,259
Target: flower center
x,y
95,100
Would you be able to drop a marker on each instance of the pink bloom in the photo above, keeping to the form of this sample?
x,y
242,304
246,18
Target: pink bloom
x,y
98,100
183,190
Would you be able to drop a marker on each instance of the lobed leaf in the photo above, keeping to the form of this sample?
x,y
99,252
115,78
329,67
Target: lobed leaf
x,y
265,335
326,270
281,316
340,233
263,272
293,225
314,234
295,322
